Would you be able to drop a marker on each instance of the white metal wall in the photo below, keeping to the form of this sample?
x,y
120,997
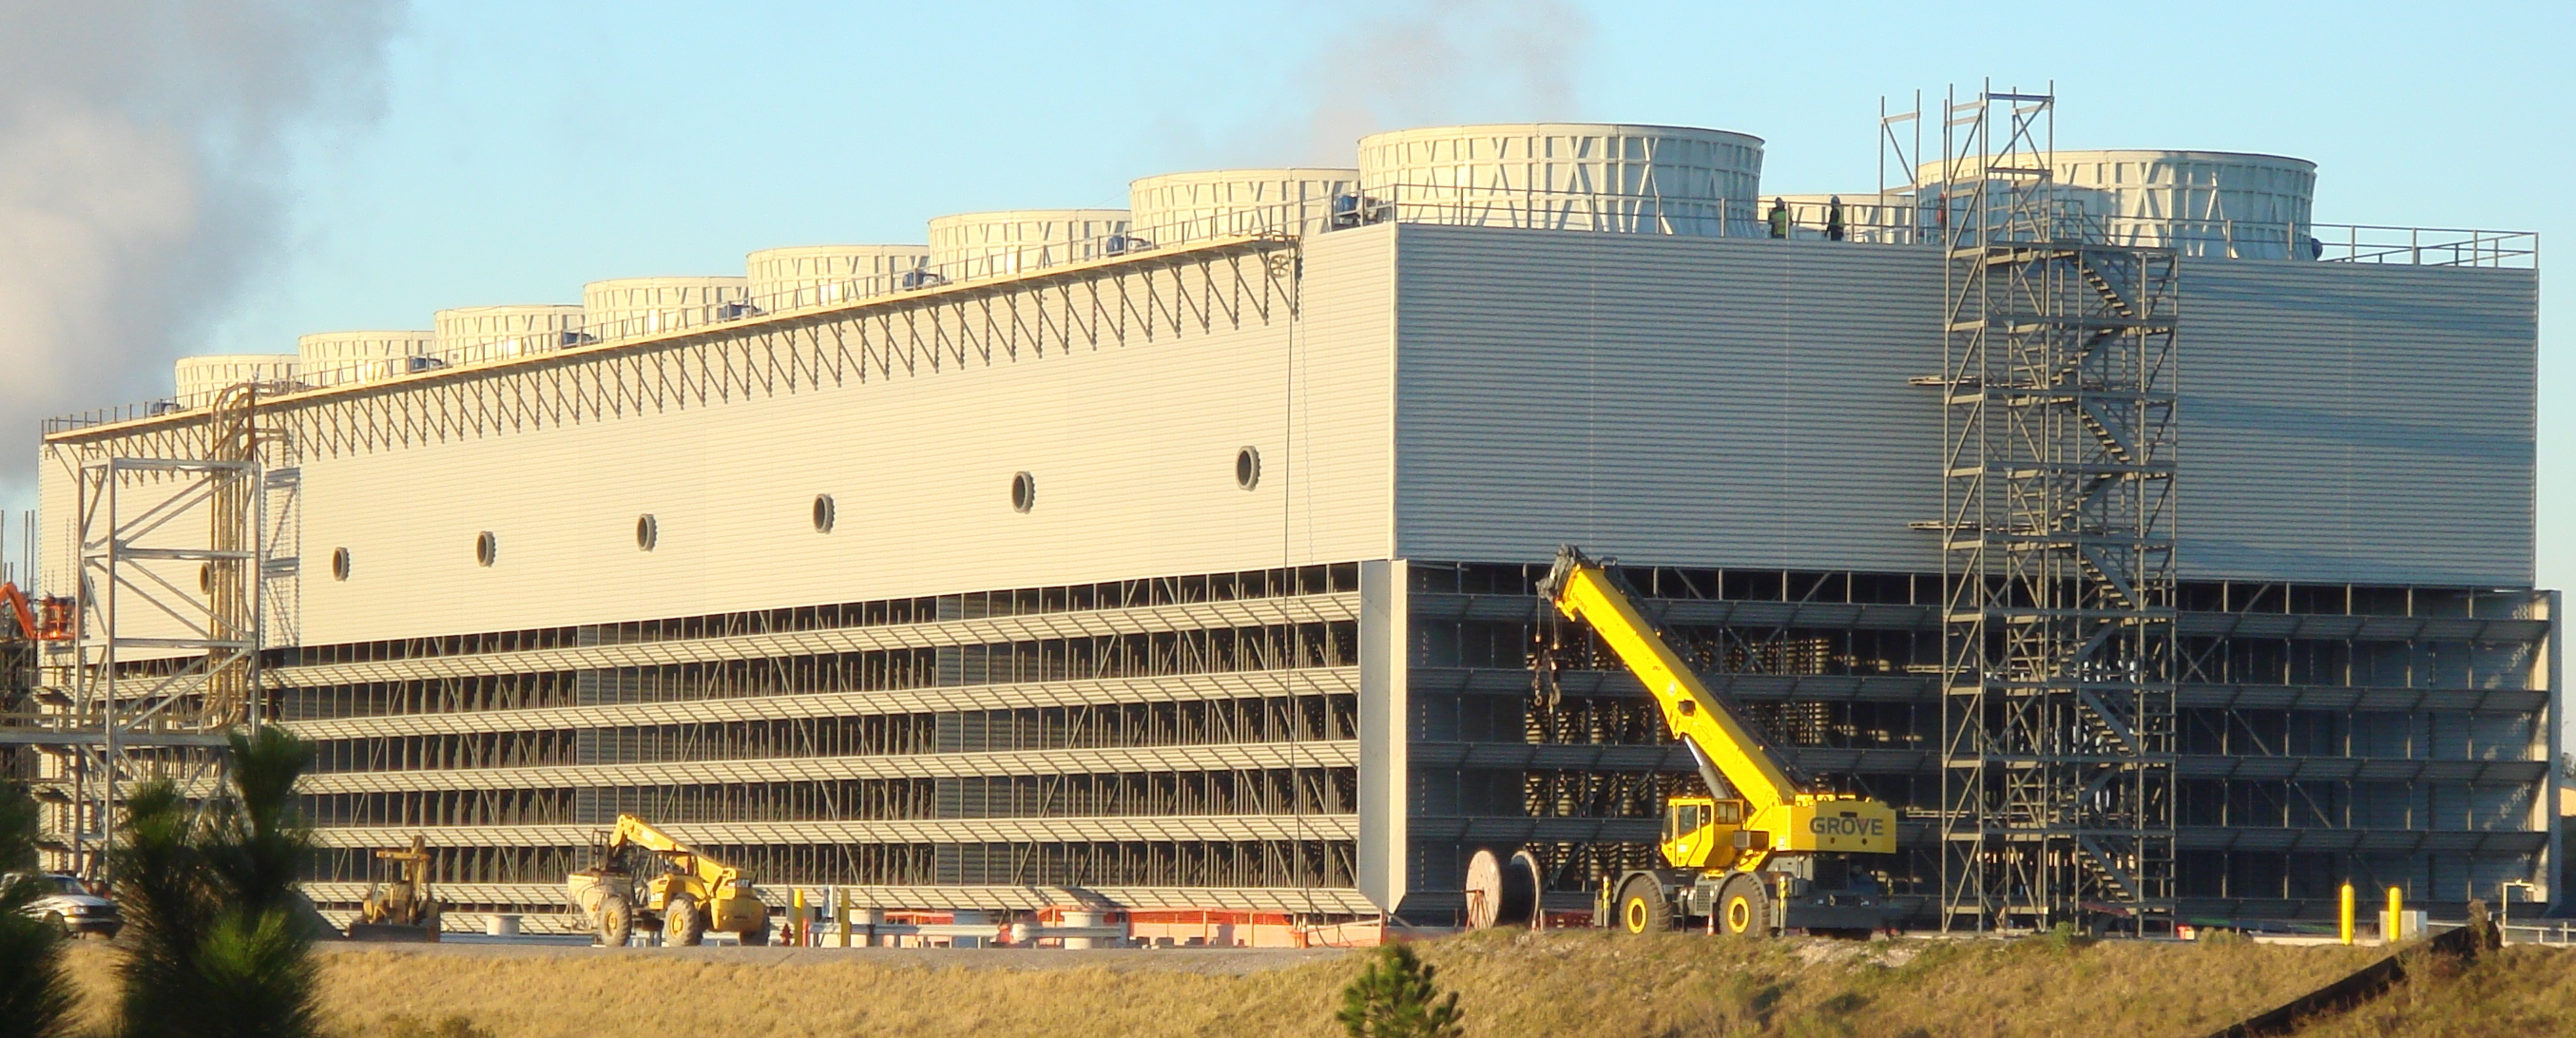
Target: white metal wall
x,y
1132,447
1743,402
2358,422
1678,400
1691,401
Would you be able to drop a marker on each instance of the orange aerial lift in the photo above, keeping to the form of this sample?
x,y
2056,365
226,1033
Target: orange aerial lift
x,y
34,620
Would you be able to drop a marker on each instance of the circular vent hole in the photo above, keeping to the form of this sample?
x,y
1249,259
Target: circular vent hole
x,y
825,513
1247,468
339,563
1024,492
487,548
648,532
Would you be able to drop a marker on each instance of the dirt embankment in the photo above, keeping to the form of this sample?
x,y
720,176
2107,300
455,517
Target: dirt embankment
x,y
1510,983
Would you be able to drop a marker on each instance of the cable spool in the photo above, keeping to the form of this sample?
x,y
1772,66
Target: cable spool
x,y
1500,892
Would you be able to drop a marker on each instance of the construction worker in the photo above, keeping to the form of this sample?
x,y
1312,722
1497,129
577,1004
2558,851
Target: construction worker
x,y
1779,218
1834,219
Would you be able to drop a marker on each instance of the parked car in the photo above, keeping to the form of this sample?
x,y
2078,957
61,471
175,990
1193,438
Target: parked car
x,y
69,905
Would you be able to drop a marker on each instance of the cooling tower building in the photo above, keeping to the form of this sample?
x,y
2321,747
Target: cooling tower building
x,y
1182,558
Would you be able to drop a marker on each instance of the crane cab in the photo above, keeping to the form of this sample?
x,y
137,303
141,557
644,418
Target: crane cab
x,y
1700,832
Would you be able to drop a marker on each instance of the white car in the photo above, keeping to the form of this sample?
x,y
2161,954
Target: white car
x,y
71,908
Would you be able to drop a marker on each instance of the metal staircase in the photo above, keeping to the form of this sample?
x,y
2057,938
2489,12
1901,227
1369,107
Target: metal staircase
x,y
2058,384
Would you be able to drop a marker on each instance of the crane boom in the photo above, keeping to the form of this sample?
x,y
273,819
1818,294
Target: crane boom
x,y
1582,590
1781,812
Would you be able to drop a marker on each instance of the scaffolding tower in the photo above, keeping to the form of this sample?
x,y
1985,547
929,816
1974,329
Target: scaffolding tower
x,y
2058,668
171,571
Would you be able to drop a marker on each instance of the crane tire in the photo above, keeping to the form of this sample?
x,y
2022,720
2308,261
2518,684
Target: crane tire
x,y
1642,907
1744,906
616,921
683,924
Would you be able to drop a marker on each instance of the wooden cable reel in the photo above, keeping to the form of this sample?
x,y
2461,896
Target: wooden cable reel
x,y
1501,891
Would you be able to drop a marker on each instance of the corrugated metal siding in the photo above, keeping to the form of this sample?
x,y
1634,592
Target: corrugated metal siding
x,y
1680,400
1744,403
2358,422
1719,402
1132,444
58,532
1341,411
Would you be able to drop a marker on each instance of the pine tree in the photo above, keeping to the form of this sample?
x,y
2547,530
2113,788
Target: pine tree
x,y
1394,997
220,950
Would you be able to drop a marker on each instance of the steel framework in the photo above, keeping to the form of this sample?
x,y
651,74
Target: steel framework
x,y
2058,385
167,660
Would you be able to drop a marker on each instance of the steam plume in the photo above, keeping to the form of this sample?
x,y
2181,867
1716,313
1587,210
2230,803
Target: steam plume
x,y
142,172
1426,62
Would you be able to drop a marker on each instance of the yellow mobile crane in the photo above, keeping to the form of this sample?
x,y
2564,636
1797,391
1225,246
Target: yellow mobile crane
x,y
1763,853
692,895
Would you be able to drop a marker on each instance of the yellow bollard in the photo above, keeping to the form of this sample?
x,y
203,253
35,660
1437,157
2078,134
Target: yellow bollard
x,y
799,916
841,912
2394,930
2345,916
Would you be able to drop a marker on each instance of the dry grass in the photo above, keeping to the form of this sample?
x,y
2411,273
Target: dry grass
x,y
1564,983
2521,990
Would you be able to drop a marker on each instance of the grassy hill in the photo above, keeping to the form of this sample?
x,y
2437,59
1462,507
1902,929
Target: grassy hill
x,y
2521,990
1511,983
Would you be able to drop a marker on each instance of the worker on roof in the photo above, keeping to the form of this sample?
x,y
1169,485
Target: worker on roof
x,y
1779,218
1834,219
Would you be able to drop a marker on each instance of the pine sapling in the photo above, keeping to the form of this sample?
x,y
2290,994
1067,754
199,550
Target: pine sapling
x,y
1394,997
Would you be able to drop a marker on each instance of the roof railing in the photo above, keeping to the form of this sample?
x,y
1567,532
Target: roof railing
x,y
1865,219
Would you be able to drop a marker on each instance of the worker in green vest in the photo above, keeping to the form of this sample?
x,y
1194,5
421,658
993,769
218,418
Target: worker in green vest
x,y
1779,218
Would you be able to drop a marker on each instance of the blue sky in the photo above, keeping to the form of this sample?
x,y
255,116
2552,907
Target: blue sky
x,y
519,149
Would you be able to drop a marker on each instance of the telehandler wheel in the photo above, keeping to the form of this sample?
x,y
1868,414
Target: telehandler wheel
x,y
1642,908
616,921
1744,906
683,924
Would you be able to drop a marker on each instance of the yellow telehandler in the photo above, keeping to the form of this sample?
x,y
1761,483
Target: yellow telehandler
x,y
692,895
